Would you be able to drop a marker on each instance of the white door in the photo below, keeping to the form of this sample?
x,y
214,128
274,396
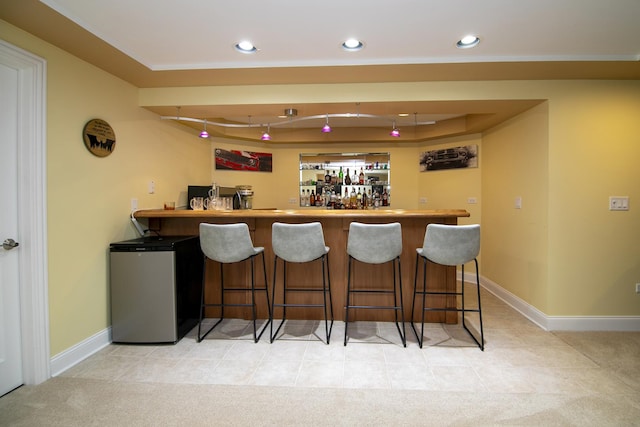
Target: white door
x,y
10,340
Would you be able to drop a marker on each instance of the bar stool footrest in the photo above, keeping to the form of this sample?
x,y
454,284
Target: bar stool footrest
x,y
371,291
228,305
377,307
299,305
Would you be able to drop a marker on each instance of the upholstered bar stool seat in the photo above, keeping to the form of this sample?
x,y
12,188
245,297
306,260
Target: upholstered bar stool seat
x,y
376,244
301,243
226,244
451,245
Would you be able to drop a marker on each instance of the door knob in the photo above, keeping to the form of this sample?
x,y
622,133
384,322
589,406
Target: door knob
x,y
9,244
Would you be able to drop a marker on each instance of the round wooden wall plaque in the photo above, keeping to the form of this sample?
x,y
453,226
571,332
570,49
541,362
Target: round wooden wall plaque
x,y
99,137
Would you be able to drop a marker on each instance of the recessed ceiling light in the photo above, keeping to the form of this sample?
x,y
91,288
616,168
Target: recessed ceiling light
x,y
352,45
403,114
246,47
467,42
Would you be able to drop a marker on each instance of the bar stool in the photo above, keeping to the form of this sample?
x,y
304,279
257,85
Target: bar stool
x,y
376,244
450,245
300,243
226,244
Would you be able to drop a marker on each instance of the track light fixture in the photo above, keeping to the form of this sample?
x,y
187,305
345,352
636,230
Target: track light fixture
x,y
265,136
204,133
292,113
326,128
395,132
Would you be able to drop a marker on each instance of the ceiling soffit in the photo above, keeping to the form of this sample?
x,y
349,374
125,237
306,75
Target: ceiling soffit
x,y
452,118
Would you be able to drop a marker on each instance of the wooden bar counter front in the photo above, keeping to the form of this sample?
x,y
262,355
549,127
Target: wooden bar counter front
x,y
335,224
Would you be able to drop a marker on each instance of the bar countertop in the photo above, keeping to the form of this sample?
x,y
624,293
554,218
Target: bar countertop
x,y
303,213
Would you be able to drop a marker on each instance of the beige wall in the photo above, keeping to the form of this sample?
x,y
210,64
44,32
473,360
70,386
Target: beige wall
x,y
594,253
443,189
563,252
89,197
515,241
451,189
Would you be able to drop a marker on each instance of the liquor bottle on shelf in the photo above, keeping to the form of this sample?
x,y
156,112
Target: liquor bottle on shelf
x,y
302,197
361,177
345,199
354,178
340,176
347,178
359,199
365,200
385,198
327,178
312,198
353,198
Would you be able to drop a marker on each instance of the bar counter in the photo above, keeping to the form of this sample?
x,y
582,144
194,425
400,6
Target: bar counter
x,y
335,224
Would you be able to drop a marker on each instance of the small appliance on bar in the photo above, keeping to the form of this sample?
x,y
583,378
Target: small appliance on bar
x,y
243,198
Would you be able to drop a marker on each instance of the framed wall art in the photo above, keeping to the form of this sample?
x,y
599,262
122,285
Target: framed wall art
x,y
242,160
99,137
449,158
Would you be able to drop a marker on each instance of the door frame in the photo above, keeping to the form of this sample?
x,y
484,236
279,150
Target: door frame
x,y
32,211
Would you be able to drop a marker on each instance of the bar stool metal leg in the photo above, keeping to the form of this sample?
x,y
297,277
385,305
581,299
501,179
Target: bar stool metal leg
x,y
403,334
348,304
327,288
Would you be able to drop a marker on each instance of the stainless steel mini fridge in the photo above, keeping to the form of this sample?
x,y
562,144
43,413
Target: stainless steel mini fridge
x,y
155,287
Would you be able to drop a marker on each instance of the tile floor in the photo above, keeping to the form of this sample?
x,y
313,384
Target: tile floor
x,y
519,357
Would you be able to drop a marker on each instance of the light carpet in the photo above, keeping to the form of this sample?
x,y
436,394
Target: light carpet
x,y
65,401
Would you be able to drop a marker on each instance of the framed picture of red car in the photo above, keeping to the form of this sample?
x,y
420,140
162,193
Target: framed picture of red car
x,y
242,160
449,158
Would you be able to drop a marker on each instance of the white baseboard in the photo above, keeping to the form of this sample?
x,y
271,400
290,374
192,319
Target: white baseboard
x,y
557,323
76,354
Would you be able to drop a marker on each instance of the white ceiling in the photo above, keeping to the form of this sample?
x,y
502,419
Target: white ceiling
x,y
201,34
169,43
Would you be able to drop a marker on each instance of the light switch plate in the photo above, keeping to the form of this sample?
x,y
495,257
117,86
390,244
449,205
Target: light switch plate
x,y
619,203
518,203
